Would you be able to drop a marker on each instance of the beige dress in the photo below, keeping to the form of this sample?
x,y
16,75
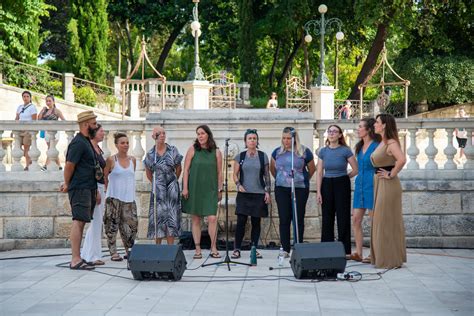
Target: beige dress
x,y
387,240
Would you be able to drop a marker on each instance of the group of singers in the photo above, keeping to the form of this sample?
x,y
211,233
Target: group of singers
x,y
377,161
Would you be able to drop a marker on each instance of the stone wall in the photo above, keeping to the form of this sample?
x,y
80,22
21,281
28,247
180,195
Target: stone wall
x,y
438,212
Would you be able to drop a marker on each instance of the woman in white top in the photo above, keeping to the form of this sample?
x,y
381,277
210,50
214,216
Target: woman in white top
x,y
26,112
120,208
273,101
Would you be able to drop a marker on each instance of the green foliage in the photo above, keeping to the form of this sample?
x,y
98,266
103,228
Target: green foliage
x,y
20,35
85,95
88,35
440,79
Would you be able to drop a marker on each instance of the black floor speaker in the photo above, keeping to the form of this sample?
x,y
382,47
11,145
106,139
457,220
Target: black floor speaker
x,y
318,260
157,262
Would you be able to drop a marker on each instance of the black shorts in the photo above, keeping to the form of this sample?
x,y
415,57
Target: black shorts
x,y
461,142
82,204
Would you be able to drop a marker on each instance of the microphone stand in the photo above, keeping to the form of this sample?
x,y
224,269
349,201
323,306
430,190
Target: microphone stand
x,y
227,258
293,193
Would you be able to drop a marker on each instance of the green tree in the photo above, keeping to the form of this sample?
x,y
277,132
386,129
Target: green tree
x,y
20,35
88,37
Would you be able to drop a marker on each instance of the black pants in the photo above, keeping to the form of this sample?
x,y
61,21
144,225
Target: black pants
x,y
336,194
240,230
285,213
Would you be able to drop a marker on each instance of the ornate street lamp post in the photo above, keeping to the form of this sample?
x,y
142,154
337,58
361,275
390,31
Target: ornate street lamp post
x,y
319,27
196,73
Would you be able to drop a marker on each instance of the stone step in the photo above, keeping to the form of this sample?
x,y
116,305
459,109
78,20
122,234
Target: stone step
x,y
7,244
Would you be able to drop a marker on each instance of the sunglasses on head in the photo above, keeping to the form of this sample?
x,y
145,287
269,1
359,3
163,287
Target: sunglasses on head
x,y
251,131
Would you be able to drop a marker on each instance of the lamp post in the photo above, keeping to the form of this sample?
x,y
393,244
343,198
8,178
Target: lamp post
x,y
196,73
319,27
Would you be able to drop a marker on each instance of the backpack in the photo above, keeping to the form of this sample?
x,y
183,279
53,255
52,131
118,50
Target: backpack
x,y
261,157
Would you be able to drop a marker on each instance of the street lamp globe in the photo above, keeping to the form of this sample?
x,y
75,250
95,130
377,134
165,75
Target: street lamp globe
x,y
339,36
323,8
308,38
195,25
198,33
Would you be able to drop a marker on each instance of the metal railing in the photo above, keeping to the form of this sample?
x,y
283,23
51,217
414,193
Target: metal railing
x,y
30,77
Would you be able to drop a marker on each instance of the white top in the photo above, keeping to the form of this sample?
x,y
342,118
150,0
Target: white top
x,y
26,111
122,182
273,103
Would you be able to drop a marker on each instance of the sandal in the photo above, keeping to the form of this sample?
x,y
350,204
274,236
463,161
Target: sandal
x,y
215,255
236,254
82,265
197,255
116,257
259,256
98,263
367,260
355,257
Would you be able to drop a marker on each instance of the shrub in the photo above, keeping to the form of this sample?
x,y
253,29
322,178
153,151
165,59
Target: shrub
x,y
85,95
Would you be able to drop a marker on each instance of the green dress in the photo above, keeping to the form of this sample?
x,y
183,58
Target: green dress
x,y
202,184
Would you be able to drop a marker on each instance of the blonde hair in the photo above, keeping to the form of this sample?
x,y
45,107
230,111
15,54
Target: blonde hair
x,y
299,149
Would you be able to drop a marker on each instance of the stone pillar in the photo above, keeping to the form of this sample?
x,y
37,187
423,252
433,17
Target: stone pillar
x,y
154,96
68,83
197,94
118,87
322,102
245,93
134,109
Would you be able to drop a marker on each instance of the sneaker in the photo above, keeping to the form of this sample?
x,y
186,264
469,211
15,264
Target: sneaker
x,y
286,254
44,168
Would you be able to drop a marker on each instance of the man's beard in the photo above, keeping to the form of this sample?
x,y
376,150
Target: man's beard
x,y
90,130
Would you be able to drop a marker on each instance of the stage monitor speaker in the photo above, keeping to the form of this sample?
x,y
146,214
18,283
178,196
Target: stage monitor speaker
x,y
149,261
318,260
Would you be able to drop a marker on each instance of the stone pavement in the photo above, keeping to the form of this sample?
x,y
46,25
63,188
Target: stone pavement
x,y
433,282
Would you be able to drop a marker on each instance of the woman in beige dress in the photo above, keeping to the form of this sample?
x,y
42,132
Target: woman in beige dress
x,y
387,242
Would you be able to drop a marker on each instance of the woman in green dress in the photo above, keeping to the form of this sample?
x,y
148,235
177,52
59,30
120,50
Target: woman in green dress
x,y
202,186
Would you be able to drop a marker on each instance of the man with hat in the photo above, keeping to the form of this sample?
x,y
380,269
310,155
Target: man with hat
x,y
80,183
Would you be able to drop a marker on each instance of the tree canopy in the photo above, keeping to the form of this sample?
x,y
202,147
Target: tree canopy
x,y
260,41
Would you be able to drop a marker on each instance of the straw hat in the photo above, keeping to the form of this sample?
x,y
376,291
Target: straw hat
x,y
85,116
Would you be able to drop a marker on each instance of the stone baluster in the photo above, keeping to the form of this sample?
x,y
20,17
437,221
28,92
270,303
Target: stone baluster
x,y
321,138
17,152
413,151
52,152
450,151
34,153
2,154
431,150
469,150
138,151
70,136
105,145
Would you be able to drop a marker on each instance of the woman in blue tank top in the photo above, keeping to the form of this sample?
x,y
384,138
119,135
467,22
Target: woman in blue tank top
x,y
364,182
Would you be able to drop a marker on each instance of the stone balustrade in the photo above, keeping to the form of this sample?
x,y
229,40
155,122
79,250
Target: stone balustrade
x,y
438,199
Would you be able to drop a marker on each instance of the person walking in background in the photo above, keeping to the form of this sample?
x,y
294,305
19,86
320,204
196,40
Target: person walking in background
x,y
253,190
461,136
202,186
50,113
273,101
26,112
334,187
163,167
120,207
80,183
346,111
387,240
92,249
364,182
303,170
